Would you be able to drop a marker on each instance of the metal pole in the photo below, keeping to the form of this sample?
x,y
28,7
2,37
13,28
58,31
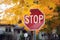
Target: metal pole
x,y
34,35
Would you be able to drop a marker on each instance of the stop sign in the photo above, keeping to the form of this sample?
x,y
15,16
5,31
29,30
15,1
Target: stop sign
x,y
35,20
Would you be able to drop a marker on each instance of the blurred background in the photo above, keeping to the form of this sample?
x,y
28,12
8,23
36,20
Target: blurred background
x,y
12,25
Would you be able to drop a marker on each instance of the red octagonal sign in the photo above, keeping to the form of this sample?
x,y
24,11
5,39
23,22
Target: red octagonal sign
x,y
35,20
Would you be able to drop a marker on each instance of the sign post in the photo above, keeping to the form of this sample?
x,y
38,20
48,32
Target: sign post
x,y
34,35
34,21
